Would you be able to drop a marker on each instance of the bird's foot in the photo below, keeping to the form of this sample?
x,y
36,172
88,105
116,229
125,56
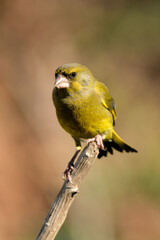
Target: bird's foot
x,y
67,173
99,141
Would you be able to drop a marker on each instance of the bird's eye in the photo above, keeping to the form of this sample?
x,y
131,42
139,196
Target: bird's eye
x,y
56,74
73,74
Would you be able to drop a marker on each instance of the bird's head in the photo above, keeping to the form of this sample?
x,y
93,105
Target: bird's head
x,y
73,76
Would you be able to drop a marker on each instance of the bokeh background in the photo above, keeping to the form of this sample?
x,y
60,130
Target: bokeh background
x,y
120,42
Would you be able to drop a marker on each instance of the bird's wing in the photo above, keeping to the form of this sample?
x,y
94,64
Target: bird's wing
x,y
106,99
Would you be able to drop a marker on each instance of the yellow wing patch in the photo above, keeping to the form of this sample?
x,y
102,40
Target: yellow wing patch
x,y
104,103
110,109
106,99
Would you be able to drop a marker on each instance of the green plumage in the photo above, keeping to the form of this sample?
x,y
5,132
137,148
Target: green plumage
x,y
85,108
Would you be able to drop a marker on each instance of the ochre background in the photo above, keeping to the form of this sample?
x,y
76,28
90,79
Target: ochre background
x,y
120,42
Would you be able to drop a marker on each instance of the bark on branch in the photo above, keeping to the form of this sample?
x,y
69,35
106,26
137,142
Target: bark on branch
x,y
59,209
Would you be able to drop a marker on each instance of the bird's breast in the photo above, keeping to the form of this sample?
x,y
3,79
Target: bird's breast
x,y
83,117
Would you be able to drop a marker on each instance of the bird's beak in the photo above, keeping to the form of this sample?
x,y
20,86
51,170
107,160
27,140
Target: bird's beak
x,y
61,82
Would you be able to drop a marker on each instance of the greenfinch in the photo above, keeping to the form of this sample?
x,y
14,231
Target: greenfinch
x,y
86,110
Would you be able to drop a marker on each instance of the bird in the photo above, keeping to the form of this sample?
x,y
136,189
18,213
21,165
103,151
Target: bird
x,y
86,110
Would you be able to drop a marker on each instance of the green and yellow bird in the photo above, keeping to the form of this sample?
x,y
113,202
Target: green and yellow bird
x,y
86,110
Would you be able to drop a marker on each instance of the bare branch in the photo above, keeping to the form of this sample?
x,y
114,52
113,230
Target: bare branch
x,y
59,209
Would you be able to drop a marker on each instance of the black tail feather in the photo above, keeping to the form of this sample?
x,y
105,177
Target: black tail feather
x,y
110,145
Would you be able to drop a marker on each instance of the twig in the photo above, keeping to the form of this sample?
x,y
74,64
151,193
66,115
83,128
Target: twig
x,y
59,209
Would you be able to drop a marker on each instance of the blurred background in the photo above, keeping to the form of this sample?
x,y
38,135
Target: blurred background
x,y
119,41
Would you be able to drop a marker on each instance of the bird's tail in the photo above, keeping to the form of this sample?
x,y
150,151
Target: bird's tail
x,y
116,143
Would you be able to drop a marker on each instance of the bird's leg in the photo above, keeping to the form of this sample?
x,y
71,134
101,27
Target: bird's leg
x,y
99,141
70,167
